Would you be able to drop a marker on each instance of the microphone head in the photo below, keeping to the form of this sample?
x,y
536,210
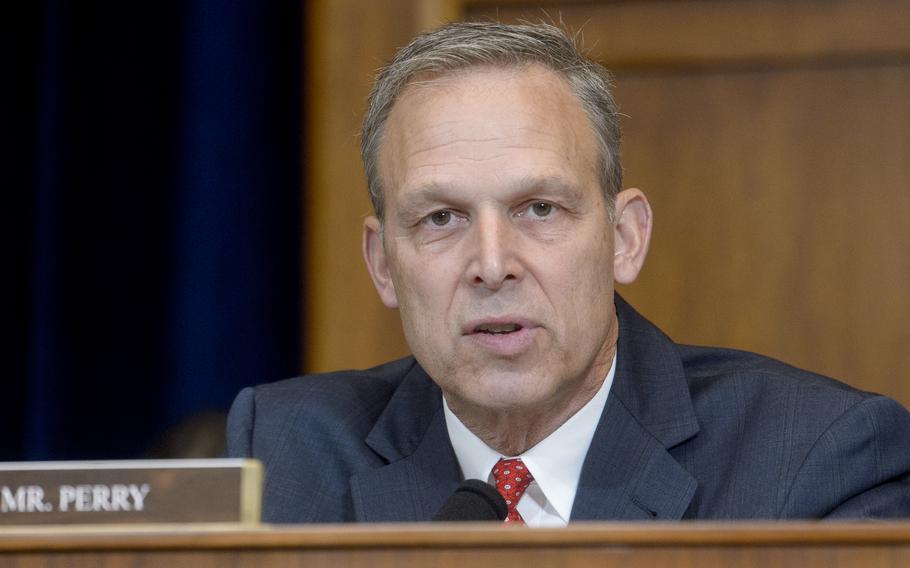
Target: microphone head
x,y
474,500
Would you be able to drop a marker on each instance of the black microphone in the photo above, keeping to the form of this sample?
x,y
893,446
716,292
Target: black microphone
x,y
474,500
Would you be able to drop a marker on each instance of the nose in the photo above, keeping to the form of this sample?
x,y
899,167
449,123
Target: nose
x,y
493,256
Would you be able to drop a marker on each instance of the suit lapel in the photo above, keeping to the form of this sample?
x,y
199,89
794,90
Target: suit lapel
x,y
629,472
422,471
630,475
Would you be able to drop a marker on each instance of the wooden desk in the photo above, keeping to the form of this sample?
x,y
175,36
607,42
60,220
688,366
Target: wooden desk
x,y
763,545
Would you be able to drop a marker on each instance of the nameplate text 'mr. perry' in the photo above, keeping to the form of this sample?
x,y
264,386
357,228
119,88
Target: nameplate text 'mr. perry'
x,y
154,491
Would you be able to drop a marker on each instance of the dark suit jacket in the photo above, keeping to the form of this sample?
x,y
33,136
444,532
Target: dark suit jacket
x,y
687,432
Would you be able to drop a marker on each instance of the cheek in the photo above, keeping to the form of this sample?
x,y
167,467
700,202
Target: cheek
x,y
582,287
425,291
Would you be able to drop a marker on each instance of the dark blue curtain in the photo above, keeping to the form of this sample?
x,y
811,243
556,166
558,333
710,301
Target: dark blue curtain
x,y
151,157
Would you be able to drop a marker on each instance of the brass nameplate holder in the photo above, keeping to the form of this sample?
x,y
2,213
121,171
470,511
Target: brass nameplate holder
x,y
141,491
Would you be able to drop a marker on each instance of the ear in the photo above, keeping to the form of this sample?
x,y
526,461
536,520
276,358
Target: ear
x,y
377,262
632,234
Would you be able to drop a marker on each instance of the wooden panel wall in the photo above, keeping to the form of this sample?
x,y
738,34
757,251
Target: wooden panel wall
x,y
344,325
773,139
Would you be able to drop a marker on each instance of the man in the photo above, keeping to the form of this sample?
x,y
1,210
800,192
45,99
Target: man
x,y
492,156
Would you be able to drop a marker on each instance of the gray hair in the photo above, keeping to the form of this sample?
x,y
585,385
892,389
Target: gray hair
x,y
462,45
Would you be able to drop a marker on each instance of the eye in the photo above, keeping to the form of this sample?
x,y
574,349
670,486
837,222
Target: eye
x,y
541,209
440,218
538,210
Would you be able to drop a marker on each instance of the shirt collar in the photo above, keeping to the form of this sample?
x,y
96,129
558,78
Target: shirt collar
x,y
555,462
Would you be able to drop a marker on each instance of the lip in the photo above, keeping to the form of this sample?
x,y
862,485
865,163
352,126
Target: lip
x,y
502,344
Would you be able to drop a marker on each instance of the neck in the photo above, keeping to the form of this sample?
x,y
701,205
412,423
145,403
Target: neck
x,y
513,431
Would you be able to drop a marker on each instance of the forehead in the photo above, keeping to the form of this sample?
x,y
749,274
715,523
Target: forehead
x,y
474,115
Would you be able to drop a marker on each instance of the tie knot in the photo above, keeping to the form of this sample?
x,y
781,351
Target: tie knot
x,y
512,478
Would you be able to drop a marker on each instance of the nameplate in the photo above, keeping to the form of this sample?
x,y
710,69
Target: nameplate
x,y
142,491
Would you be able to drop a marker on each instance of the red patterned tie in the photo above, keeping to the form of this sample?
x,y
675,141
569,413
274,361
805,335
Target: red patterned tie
x,y
512,478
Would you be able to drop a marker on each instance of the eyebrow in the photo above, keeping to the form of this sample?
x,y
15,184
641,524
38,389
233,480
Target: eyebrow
x,y
418,199
548,184
428,192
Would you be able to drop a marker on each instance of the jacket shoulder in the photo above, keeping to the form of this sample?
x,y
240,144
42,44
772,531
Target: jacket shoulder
x,y
803,444
327,406
759,398
758,375
309,432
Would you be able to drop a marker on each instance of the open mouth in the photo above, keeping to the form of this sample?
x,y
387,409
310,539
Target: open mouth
x,y
497,329
504,336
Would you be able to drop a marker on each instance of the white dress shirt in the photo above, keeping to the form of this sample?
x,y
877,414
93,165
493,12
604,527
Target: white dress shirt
x,y
555,462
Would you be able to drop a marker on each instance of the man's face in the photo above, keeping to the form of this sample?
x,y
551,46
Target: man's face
x,y
497,245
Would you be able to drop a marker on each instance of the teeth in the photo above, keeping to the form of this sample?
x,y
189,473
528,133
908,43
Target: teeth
x,y
500,328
